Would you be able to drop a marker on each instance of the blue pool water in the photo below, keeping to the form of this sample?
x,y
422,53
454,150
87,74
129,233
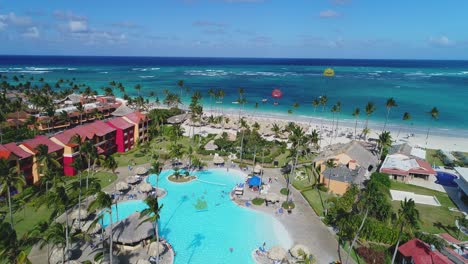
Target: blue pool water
x,y
446,179
206,236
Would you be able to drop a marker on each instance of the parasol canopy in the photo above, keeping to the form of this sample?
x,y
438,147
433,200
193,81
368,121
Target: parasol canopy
x,y
255,181
143,261
132,179
329,72
277,253
131,230
146,187
91,230
122,186
257,169
141,170
300,251
218,160
83,214
276,93
154,247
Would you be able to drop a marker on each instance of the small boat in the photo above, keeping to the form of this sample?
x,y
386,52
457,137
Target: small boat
x,y
235,102
264,100
275,103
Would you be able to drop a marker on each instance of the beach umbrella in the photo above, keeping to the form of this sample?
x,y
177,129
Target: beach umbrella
x,y
106,259
154,247
121,186
146,187
132,179
83,214
141,170
277,253
273,197
218,160
131,230
329,72
255,181
299,251
211,146
257,169
91,230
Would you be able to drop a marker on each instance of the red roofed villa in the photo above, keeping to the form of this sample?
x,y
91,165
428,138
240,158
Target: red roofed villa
x,y
417,252
404,169
124,138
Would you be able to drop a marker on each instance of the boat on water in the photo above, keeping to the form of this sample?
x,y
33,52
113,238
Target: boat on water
x,y
264,100
235,102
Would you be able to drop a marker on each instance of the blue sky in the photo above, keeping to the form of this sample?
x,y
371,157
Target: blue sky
x,y
237,28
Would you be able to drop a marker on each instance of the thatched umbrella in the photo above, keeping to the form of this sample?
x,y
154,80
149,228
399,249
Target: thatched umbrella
x,y
299,250
146,187
143,261
154,247
257,169
131,230
277,253
141,170
211,146
91,230
133,179
273,197
83,214
218,160
57,255
106,259
122,186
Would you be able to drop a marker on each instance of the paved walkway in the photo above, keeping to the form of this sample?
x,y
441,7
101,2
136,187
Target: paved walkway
x,y
417,198
429,183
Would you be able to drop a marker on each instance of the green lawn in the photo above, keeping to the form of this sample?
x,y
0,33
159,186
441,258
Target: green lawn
x,y
313,198
432,158
434,219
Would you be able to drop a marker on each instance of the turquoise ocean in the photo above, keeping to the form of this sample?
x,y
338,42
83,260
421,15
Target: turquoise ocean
x,y
416,85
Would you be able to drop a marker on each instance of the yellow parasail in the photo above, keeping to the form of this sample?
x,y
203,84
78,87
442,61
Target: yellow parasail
x,y
329,72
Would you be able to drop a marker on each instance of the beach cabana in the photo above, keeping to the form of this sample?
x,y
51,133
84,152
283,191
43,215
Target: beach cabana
x,y
211,146
57,255
143,261
299,251
122,186
178,119
141,170
83,214
255,181
258,169
133,180
131,230
277,253
91,230
218,160
156,247
146,187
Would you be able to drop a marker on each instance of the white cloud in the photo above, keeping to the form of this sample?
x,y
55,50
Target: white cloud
x,y
14,20
75,26
31,32
68,15
329,14
441,41
206,23
2,25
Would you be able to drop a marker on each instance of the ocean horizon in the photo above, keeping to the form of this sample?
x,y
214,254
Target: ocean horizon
x,y
416,85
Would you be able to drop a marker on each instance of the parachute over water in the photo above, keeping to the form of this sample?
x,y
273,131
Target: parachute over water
x,y
329,72
277,94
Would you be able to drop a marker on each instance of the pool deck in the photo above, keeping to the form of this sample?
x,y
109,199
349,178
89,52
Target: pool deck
x,y
303,225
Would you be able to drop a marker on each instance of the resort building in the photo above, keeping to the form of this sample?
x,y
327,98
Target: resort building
x,y
462,182
141,122
416,251
18,157
30,146
402,168
124,138
354,163
408,151
99,133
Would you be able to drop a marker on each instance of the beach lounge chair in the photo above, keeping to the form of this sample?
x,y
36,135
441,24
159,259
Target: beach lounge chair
x,y
247,204
280,211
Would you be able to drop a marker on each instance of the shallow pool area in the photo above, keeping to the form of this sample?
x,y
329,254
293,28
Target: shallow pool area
x,y
204,225
446,179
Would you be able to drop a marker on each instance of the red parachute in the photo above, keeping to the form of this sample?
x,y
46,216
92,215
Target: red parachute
x,y
276,93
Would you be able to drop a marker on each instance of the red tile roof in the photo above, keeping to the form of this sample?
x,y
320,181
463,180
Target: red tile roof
x,y
394,171
31,144
4,152
120,123
449,238
87,131
426,167
422,253
101,128
17,150
136,117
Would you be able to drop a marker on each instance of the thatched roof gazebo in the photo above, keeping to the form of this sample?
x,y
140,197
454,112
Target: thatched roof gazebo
x,y
299,251
143,261
133,179
91,230
83,214
154,247
122,186
258,169
131,230
211,146
218,160
141,170
146,187
122,110
178,119
277,253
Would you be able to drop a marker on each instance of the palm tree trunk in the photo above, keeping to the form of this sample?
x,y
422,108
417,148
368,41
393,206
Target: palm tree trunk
x,y
110,238
157,241
355,129
292,172
9,205
357,235
397,244
386,120
427,134
87,176
66,234
242,146
79,205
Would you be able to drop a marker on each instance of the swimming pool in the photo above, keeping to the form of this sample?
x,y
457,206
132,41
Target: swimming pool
x,y
208,235
446,179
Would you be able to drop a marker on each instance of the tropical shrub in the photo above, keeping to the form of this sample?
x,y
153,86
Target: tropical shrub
x,y
288,205
382,178
258,201
371,255
284,191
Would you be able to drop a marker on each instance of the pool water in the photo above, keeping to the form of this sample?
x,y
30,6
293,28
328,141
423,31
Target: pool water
x,y
223,232
446,179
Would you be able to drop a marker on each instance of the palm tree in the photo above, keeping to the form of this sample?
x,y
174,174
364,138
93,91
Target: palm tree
x,y
338,111
298,140
408,216
180,83
384,141
61,203
153,214
276,129
370,108
10,179
331,165
80,109
314,138
356,114
406,117
390,104
334,109
138,88
104,201
56,235
366,131
323,101
211,94
315,104
434,116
